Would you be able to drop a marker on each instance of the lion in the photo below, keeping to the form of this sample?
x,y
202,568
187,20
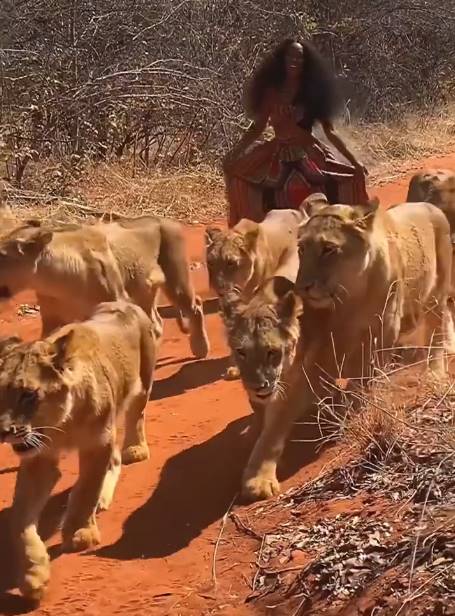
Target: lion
x,y
366,277
436,186
251,253
73,268
66,392
263,335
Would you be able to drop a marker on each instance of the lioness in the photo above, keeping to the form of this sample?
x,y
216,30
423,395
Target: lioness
x,y
251,253
263,335
75,267
435,186
366,277
66,392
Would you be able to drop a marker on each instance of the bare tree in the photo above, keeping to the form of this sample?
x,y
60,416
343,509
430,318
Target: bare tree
x,y
163,78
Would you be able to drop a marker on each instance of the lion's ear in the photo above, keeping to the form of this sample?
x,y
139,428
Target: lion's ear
x,y
31,240
60,350
211,234
281,286
289,307
250,239
313,203
365,214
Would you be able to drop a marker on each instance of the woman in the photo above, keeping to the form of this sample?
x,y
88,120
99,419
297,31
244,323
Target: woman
x,y
292,89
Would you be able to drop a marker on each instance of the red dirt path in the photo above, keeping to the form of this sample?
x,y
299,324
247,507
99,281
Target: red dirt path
x,y
158,538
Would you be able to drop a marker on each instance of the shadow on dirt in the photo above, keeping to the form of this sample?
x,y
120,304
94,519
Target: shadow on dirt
x,y
52,515
190,376
195,489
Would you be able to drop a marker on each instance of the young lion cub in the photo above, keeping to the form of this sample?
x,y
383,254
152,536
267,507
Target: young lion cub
x,y
263,335
66,392
251,253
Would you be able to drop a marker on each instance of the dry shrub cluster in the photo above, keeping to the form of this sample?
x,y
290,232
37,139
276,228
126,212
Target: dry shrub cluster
x,y
68,188
161,81
376,533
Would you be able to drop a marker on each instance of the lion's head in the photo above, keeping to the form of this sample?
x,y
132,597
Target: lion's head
x,y
19,250
34,395
230,256
263,335
435,186
334,251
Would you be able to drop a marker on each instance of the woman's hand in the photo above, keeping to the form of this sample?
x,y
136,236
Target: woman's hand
x,y
360,168
317,154
249,137
337,141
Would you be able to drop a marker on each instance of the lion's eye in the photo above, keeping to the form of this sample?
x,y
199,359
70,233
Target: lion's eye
x,y
329,249
28,397
274,355
240,352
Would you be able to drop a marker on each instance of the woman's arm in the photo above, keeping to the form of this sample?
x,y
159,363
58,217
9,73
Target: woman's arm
x,y
340,145
253,132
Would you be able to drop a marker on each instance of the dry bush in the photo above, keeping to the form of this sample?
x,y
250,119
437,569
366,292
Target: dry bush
x,y
189,195
56,187
194,195
376,525
162,81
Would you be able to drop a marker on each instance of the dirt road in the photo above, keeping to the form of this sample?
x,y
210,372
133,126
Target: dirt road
x,y
158,538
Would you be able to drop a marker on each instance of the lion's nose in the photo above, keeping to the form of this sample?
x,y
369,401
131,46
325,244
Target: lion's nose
x,y
305,286
263,385
6,431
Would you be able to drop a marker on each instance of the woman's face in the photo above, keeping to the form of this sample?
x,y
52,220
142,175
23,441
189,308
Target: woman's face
x,y
294,59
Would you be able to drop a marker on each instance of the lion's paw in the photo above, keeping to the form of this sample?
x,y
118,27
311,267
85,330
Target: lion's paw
x,y
199,342
232,373
135,453
82,539
36,577
35,583
260,488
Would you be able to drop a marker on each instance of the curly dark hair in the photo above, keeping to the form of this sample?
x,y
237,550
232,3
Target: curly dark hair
x,y
318,91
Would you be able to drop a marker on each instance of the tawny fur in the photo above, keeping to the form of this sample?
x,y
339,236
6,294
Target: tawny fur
x,y
436,186
75,267
366,277
251,253
263,334
66,392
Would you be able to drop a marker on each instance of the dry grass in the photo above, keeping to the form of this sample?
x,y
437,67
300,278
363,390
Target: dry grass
x,y
387,147
189,195
196,195
377,527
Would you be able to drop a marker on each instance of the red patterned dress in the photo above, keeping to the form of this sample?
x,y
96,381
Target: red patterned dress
x,y
282,172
